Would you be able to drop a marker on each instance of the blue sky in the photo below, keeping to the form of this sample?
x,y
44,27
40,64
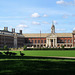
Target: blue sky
x,y
34,15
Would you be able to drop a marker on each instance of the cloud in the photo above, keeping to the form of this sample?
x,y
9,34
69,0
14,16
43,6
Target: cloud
x,y
60,29
62,2
44,22
35,23
35,15
73,28
21,27
45,15
65,16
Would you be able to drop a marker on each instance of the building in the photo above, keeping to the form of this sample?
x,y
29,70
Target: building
x,y
11,39
51,40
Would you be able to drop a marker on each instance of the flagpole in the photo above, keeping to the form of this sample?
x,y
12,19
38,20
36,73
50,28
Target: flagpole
x,y
40,39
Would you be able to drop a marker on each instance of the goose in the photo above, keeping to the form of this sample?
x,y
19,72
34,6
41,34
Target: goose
x,y
22,54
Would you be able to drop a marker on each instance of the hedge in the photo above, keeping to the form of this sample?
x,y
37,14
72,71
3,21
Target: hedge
x,y
50,49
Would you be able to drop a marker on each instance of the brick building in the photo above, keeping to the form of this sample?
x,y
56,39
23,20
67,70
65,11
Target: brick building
x,y
12,39
50,39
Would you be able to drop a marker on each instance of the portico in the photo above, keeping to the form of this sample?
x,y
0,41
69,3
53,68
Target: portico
x,y
51,42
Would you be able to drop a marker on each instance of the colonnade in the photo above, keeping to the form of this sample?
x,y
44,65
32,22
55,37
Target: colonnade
x,y
50,41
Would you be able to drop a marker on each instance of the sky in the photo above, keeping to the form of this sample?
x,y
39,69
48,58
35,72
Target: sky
x,y
31,16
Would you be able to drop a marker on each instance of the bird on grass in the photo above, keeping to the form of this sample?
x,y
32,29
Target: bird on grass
x,y
11,53
1,53
22,54
6,52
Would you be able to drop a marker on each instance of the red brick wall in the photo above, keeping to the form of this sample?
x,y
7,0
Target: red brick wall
x,y
65,38
29,40
73,39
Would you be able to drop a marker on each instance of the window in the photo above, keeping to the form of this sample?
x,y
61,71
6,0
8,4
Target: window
x,y
74,35
58,44
58,41
68,45
41,41
65,45
61,41
35,41
74,40
45,41
32,41
29,41
38,41
71,41
65,41
68,41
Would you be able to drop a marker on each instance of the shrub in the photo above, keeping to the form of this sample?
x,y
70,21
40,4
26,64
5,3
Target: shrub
x,y
25,47
62,46
5,47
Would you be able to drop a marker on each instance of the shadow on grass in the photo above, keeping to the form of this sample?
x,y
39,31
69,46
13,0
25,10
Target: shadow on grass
x,y
25,67
36,67
31,57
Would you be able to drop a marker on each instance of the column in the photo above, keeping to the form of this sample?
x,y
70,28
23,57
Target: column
x,y
56,42
50,42
36,46
15,41
53,42
46,42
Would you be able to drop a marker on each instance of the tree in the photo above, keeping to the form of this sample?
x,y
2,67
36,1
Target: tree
x,y
62,46
5,47
25,47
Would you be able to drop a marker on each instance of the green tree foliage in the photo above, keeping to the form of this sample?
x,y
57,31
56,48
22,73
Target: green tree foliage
x,y
5,47
62,46
25,47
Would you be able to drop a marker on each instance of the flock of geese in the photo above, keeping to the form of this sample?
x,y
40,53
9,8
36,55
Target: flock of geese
x,y
12,53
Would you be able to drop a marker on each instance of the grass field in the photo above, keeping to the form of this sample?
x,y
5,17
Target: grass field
x,y
12,65
63,53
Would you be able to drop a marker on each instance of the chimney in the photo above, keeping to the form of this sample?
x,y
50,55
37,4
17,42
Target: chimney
x,y
13,30
20,31
6,28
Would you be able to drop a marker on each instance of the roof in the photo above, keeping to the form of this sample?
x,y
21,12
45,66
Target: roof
x,y
46,34
6,31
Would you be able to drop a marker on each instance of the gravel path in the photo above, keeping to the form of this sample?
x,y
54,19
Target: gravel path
x,y
52,57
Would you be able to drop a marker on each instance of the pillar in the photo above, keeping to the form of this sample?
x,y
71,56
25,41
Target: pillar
x,y
53,42
50,42
47,42
56,42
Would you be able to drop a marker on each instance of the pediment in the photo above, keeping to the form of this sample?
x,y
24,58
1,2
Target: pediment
x,y
52,35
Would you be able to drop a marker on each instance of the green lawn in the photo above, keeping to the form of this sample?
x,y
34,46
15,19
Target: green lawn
x,y
65,53
18,65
